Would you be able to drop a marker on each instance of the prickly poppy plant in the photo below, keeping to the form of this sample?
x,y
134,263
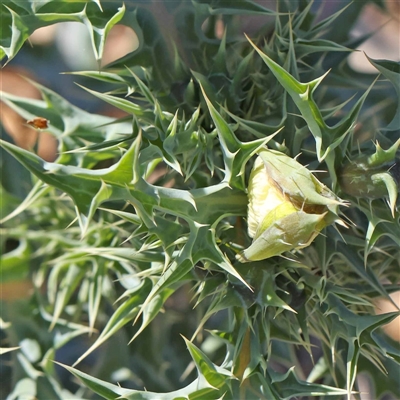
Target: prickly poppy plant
x,y
230,236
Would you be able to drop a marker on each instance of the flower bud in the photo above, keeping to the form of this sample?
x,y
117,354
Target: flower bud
x,y
288,206
359,179
373,176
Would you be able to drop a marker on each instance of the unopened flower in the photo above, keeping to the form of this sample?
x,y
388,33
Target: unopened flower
x,y
288,206
373,176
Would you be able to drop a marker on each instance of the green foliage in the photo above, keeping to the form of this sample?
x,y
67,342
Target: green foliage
x,y
138,216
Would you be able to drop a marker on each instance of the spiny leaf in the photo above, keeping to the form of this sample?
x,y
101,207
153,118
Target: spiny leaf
x,y
244,7
14,265
124,313
215,376
120,103
390,70
267,295
198,389
236,153
99,35
382,156
326,138
66,288
67,122
4,350
289,386
104,389
95,185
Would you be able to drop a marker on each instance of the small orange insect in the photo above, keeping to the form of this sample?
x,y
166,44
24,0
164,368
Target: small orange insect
x,y
39,123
